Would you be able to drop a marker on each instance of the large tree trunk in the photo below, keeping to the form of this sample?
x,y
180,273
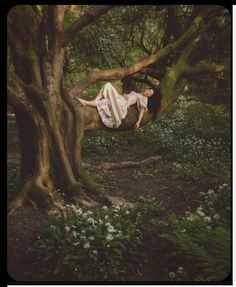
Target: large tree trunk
x,y
50,144
50,125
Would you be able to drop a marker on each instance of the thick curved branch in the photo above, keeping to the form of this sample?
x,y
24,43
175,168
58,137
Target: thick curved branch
x,y
119,73
206,67
150,72
89,17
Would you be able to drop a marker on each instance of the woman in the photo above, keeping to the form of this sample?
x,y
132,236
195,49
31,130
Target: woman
x,y
113,107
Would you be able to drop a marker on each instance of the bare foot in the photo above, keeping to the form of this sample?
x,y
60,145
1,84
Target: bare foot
x,y
81,101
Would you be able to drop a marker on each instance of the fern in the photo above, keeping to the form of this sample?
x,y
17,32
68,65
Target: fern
x,y
211,256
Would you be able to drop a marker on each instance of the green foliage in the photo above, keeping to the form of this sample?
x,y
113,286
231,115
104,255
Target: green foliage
x,y
196,138
200,239
104,145
123,242
101,245
194,141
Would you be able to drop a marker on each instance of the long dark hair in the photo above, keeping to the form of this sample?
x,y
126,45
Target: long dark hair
x,y
154,102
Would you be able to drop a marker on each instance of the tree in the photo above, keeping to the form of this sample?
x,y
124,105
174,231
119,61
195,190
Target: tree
x,y
49,122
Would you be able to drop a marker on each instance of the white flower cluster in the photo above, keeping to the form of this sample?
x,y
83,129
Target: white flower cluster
x,y
110,228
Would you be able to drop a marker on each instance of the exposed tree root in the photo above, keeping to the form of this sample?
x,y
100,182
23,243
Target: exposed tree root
x,y
36,195
123,164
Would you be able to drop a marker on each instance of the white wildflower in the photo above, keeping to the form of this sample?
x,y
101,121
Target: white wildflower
x,y
207,219
191,217
111,229
91,238
95,252
78,211
109,237
91,220
216,216
67,228
210,191
183,230
104,207
86,245
100,221
201,213
76,243
74,233
180,269
127,212
172,274
210,203
199,208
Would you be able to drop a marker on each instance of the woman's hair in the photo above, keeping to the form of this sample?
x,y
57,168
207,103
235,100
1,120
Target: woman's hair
x,y
154,102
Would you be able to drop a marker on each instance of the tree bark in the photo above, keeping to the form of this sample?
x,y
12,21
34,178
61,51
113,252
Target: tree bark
x,y
50,125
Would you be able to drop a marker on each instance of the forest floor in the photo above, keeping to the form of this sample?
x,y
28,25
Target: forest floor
x,y
127,184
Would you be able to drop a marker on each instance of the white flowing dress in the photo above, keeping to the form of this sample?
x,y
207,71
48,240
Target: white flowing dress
x,y
114,107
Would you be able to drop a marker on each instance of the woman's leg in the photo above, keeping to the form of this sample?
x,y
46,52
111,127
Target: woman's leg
x,y
91,103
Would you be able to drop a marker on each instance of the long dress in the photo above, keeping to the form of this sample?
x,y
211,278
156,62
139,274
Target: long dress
x,y
114,107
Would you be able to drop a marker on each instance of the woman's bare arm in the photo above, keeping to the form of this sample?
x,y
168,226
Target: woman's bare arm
x,y
140,116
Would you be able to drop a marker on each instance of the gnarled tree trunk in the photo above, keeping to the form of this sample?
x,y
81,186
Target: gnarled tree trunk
x,y
50,125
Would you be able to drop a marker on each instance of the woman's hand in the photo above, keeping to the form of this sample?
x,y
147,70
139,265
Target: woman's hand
x,y
136,126
140,116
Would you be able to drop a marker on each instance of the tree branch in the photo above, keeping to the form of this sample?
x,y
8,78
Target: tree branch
x,y
89,17
150,72
204,67
142,46
59,12
119,73
124,164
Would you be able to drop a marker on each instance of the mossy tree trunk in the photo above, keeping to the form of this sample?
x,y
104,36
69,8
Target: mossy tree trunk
x,y
50,125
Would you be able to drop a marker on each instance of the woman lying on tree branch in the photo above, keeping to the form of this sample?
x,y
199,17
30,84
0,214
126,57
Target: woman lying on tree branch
x,y
113,107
